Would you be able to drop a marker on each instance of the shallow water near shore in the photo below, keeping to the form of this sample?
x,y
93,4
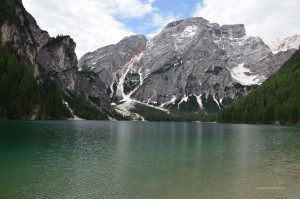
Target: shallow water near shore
x,y
92,159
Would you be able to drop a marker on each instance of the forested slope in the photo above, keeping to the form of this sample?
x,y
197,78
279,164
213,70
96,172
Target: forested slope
x,y
21,96
39,74
278,99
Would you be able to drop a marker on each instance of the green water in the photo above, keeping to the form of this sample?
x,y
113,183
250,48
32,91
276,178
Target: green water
x,y
89,159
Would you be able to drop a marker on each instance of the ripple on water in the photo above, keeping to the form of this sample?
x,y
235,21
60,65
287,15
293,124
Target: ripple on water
x,y
89,159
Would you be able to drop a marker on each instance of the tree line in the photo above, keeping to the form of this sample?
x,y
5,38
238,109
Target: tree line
x,y
153,114
276,101
21,97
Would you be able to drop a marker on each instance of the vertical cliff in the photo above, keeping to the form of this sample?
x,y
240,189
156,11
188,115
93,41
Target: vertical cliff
x,y
51,59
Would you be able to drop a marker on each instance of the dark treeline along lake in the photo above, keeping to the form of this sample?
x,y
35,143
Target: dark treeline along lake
x,y
93,159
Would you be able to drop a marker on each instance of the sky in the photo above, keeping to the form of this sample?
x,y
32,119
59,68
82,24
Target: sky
x,y
97,23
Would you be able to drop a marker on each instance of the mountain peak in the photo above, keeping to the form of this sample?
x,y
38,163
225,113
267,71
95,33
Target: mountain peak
x,y
191,61
232,30
193,20
133,38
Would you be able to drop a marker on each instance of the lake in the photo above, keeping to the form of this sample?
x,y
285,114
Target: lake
x,y
92,159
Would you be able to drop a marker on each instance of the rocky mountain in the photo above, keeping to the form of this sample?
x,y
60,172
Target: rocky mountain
x,y
192,63
112,60
48,57
282,45
276,101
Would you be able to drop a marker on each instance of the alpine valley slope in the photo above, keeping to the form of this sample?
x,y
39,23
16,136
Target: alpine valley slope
x,y
192,64
50,59
275,101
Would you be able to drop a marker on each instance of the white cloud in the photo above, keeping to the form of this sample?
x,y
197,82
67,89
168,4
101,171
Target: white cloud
x,y
128,8
91,23
268,19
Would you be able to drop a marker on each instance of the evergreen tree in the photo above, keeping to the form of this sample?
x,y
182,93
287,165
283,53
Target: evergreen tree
x,y
276,100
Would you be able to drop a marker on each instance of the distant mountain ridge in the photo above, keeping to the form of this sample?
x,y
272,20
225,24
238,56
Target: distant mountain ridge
x,y
191,61
282,45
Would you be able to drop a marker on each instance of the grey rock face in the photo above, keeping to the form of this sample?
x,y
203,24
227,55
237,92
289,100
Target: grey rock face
x,y
47,55
95,91
233,31
108,62
58,54
26,41
190,60
51,56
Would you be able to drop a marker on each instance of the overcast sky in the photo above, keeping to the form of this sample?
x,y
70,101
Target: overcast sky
x,y
96,23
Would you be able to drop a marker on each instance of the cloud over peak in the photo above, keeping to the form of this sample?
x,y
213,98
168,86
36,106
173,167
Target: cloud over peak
x,y
92,23
268,19
96,23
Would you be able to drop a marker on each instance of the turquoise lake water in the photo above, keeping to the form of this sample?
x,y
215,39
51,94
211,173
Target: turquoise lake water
x,y
92,159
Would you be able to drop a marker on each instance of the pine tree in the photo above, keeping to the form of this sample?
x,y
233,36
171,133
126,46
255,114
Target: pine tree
x,y
276,100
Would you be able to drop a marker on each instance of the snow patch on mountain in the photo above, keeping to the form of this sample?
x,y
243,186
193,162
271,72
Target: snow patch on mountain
x,y
191,57
189,31
126,70
185,99
199,100
283,45
182,37
243,75
172,101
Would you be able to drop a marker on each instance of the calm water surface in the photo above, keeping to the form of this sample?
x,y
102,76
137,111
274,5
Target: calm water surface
x,y
91,159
